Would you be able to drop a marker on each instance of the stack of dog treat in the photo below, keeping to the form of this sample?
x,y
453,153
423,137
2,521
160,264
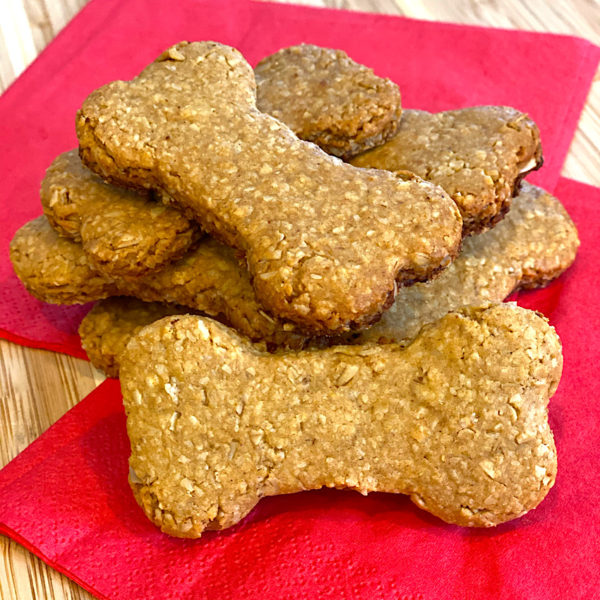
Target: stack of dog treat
x,y
360,340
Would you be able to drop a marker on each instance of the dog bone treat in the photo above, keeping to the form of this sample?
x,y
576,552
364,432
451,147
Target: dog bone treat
x,y
326,98
534,244
123,233
208,279
107,328
478,155
457,420
326,244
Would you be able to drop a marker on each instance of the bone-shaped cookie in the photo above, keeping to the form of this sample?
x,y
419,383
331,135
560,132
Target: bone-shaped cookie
x,y
478,155
326,244
207,279
534,244
328,99
324,97
123,233
457,420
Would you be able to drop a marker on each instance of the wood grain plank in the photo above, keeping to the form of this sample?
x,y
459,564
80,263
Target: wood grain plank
x,y
48,17
37,387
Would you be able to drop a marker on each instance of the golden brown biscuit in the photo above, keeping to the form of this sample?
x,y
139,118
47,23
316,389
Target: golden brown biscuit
x,y
326,244
123,233
326,98
534,244
110,324
478,155
207,279
127,234
457,420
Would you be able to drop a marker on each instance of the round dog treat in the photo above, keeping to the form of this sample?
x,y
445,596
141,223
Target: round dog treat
x,y
478,155
457,420
326,244
124,233
326,98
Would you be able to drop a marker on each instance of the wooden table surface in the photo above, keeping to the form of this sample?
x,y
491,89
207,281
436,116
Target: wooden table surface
x,y
38,387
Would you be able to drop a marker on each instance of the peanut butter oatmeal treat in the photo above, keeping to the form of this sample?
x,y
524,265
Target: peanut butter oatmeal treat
x,y
478,155
108,327
534,244
326,244
122,232
111,323
326,98
207,279
457,420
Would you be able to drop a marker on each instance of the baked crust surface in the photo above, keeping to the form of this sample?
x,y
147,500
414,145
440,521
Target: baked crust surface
x,y
326,98
124,233
457,419
478,155
327,245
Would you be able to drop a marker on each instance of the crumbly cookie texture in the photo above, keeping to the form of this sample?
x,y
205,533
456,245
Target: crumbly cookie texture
x,y
478,155
111,323
457,420
326,244
207,279
534,244
107,328
123,233
328,99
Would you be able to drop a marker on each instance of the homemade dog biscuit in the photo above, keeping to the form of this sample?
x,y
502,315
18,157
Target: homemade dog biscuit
x,y
326,98
123,233
457,420
478,155
326,244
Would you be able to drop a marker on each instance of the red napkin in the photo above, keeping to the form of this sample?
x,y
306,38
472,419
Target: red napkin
x,y
66,499
438,66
